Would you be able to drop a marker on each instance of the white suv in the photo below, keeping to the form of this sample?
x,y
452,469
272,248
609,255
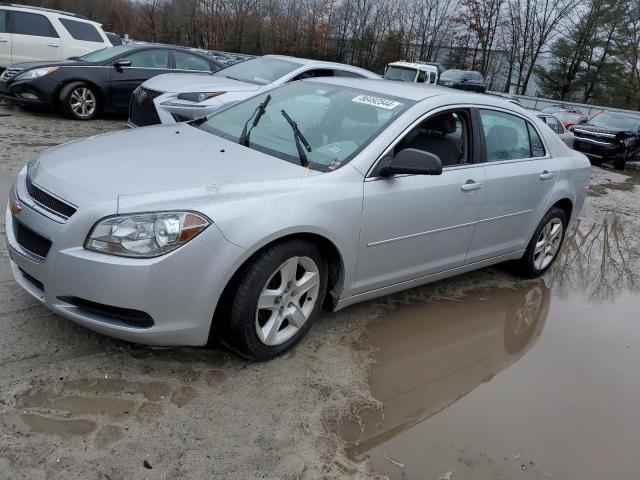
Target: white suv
x,y
30,34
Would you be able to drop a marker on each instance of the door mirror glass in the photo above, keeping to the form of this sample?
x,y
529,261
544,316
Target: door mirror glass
x,y
411,161
123,63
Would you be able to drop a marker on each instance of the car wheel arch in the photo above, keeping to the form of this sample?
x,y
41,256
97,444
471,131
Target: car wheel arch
x,y
335,264
94,87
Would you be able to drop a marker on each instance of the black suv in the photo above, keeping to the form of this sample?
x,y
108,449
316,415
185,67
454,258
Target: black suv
x,y
463,80
609,136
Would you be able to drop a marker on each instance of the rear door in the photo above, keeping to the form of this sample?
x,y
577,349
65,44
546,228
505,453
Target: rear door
x,y
520,176
33,37
5,40
144,65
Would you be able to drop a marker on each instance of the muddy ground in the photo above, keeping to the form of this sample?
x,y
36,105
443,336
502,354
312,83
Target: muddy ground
x,y
479,377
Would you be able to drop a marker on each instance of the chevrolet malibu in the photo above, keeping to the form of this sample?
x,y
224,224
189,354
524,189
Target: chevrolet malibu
x,y
319,193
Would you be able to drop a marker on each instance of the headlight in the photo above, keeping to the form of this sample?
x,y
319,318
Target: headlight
x,y
145,234
36,73
198,96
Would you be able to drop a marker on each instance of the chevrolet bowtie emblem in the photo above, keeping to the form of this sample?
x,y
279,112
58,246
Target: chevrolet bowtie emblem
x,y
15,208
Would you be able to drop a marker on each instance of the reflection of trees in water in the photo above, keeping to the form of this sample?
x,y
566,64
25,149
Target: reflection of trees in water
x,y
600,258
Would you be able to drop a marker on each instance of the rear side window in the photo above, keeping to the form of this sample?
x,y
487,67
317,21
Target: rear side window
x,y
81,30
149,59
24,23
186,61
509,137
3,21
422,76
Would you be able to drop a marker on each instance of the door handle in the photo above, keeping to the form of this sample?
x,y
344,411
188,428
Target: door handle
x,y
3,40
52,45
546,175
471,185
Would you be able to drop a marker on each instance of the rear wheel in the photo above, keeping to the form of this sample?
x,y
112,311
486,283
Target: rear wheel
x,y
276,299
545,244
79,101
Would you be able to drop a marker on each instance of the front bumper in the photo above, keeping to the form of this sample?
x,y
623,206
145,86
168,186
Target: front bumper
x,y
598,150
24,91
178,291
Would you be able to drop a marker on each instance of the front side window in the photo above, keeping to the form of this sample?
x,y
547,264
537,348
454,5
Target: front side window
x,y
81,30
336,121
422,76
447,135
3,21
186,61
149,59
509,137
24,23
259,71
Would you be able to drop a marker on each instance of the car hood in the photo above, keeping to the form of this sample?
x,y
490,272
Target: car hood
x,y
197,82
151,160
603,131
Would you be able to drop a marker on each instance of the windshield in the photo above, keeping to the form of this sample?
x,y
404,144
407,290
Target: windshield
x,y
611,120
402,74
452,75
337,122
104,54
259,71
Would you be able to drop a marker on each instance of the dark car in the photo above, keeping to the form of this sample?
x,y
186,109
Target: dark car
x,y
609,136
101,81
463,80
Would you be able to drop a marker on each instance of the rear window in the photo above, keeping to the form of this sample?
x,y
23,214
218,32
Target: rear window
x,y
24,23
81,30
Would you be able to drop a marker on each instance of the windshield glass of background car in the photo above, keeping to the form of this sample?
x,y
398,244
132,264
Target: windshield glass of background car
x,y
452,75
568,117
615,121
337,121
402,74
259,71
105,54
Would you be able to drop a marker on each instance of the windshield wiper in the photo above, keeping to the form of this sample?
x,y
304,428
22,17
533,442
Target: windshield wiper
x,y
256,115
299,139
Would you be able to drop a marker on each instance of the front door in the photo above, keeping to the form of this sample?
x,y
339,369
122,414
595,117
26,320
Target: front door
x,y
5,40
33,38
417,225
520,177
144,65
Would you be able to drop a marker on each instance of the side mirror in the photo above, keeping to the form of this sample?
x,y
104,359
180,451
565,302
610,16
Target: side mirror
x,y
122,63
411,161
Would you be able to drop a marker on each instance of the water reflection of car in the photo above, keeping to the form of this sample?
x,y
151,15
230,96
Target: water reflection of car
x,y
432,354
609,136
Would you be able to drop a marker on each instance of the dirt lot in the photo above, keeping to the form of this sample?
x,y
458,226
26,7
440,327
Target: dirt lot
x,y
482,376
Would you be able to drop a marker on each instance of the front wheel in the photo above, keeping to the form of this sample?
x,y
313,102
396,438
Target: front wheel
x,y
277,297
79,101
545,244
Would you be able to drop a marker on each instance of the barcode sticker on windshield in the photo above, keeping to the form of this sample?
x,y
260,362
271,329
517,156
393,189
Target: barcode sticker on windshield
x,y
376,101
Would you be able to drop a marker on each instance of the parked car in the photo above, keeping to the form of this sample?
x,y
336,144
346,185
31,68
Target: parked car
x,y
554,124
558,107
173,98
30,34
244,224
570,118
609,136
101,81
463,80
415,72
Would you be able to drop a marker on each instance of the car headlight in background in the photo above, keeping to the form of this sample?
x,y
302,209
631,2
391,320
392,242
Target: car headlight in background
x,y
198,96
36,73
145,235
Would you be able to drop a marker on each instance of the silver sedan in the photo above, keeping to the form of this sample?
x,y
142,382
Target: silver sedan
x,y
320,193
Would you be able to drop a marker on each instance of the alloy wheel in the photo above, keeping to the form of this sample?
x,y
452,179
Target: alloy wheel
x,y
83,102
548,244
287,300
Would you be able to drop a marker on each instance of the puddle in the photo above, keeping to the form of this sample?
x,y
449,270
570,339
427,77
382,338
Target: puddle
x,y
534,379
55,426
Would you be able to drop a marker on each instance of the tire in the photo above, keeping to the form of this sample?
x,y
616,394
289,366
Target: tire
x,y
531,265
264,333
79,101
619,163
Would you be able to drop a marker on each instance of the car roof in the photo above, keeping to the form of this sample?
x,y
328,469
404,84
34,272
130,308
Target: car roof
x,y
402,63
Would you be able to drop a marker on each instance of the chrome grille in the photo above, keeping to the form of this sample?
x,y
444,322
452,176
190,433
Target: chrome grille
x,y
30,240
48,201
10,73
142,110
